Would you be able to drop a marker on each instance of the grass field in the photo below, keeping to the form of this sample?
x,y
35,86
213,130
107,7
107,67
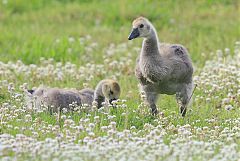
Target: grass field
x,y
75,44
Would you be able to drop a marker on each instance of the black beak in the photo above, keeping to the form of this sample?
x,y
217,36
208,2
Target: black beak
x,y
30,91
134,34
110,101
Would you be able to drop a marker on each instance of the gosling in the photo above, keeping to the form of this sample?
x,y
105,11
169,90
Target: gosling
x,y
54,98
107,91
162,68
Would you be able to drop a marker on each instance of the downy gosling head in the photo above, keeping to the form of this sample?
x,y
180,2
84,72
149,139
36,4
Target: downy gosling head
x,y
141,27
111,91
107,90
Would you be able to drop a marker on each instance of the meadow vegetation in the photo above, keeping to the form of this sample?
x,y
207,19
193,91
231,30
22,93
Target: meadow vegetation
x,y
75,44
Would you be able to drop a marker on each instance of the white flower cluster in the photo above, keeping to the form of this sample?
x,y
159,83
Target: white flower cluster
x,y
219,80
49,71
158,143
124,133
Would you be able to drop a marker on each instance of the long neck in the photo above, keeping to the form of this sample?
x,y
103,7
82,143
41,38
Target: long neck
x,y
150,45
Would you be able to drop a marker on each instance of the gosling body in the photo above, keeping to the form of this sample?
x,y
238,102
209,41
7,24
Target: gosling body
x,y
162,68
55,98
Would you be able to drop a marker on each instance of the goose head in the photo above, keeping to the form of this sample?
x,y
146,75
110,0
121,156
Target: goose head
x,y
111,91
141,27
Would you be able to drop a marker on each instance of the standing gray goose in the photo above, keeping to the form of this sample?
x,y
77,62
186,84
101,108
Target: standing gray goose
x,y
162,68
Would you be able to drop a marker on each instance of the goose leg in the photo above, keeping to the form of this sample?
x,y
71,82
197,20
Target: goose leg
x,y
183,110
183,97
181,101
151,98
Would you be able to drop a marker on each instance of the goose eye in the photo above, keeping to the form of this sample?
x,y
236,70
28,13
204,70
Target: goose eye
x,y
141,26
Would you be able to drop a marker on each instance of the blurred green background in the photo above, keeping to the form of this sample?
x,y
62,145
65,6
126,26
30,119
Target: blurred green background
x,y
29,29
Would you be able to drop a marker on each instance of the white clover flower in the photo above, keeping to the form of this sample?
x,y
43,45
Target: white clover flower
x,y
225,100
104,128
91,134
91,125
227,51
123,114
228,107
63,117
4,2
71,39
